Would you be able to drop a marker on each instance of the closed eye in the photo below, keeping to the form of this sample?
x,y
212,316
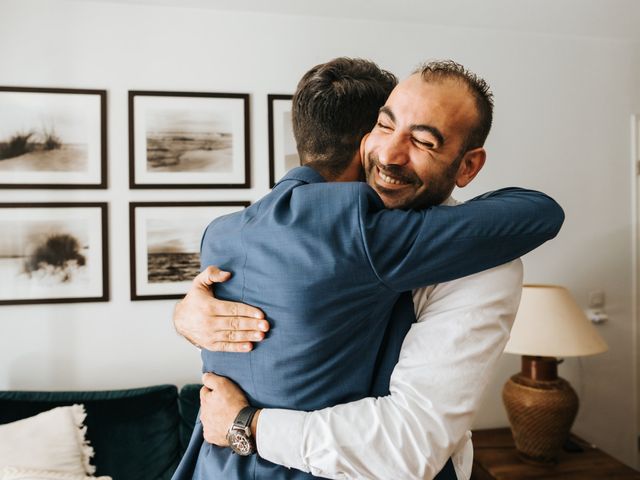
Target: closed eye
x,y
425,144
383,126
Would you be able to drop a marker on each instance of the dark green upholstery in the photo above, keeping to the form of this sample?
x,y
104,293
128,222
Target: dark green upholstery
x,y
137,434
189,408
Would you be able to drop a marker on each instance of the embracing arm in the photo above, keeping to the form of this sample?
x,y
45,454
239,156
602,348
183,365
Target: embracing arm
x,y
445,364
410,249
407,249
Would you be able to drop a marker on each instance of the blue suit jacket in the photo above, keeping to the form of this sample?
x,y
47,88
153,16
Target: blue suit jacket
x,y
326,262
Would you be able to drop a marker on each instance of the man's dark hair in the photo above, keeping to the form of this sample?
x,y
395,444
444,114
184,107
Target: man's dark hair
x,y
448,69
335,104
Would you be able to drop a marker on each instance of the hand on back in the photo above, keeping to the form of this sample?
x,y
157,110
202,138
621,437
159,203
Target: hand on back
x,y
217,325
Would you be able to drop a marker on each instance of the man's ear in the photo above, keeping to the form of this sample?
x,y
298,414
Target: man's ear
x,y
362,142
353,172
471,164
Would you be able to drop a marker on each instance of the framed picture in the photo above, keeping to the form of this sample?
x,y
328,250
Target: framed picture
x,y
188,140
53,253
283,154
53,138
165,244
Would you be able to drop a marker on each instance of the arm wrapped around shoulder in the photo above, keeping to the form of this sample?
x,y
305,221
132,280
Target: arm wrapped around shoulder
x,y
409,249
545,216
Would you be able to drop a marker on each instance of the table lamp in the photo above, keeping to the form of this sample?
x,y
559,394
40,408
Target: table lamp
x,y
540,405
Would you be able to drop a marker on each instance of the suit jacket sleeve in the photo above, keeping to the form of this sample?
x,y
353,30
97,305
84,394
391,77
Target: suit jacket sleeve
x,y
409,249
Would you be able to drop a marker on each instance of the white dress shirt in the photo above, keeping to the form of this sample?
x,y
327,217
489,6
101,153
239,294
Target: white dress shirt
x,y
445,363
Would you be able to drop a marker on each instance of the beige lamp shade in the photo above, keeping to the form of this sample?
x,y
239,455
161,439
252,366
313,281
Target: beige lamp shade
x,y
550,323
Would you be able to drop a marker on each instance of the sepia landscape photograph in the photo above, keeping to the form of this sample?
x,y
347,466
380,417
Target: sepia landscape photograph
x,y
188,141
289,150
173,246
50,254
180,139
50,138
283,154
165,245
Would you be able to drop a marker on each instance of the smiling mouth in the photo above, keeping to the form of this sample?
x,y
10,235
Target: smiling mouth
x,y
391,180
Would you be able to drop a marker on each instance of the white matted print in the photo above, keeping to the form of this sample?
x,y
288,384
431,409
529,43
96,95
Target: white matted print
x,y
53,253
52,138
165,244
188,140
283,154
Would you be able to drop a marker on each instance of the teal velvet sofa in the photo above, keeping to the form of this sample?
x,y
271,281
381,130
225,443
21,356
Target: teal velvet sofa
x,y
137,434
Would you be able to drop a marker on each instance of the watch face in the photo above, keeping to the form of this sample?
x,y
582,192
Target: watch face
x,y
239,443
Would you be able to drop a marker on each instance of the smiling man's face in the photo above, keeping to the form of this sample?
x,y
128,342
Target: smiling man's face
x,y
413,155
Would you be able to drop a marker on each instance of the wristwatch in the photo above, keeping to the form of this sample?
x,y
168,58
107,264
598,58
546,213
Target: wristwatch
x,y
239,435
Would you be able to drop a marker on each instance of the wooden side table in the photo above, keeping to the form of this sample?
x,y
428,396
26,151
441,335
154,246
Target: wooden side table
x,y
495,458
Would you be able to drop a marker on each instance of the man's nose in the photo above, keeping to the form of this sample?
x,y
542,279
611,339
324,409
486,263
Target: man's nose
x,y
394,151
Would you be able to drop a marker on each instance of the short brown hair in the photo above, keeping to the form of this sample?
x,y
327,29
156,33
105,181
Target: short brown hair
x,y
448,69
335,105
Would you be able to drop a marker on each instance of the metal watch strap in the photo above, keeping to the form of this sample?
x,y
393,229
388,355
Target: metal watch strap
x,y
245,416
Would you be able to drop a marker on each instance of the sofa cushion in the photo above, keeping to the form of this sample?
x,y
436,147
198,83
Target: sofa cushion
x,y
12,473
51,440
134,432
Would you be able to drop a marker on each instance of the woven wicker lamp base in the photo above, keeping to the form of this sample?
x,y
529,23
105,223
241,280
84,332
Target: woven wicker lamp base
x,y
541,408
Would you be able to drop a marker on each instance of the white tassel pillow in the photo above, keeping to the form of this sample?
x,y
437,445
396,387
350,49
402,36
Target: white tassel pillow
x,y
52,440
13,473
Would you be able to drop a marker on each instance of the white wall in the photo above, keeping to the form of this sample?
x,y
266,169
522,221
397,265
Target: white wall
x,y
562,125
635,182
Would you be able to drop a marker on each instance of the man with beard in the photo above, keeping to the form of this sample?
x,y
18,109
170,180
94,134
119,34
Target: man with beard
x,y
327,264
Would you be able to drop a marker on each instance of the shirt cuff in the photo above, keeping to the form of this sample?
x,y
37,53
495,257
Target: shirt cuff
x,y
275,447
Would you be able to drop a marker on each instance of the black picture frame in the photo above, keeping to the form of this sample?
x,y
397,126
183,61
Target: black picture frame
x,y
188,158
66,109
176,252
40,241
281,142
